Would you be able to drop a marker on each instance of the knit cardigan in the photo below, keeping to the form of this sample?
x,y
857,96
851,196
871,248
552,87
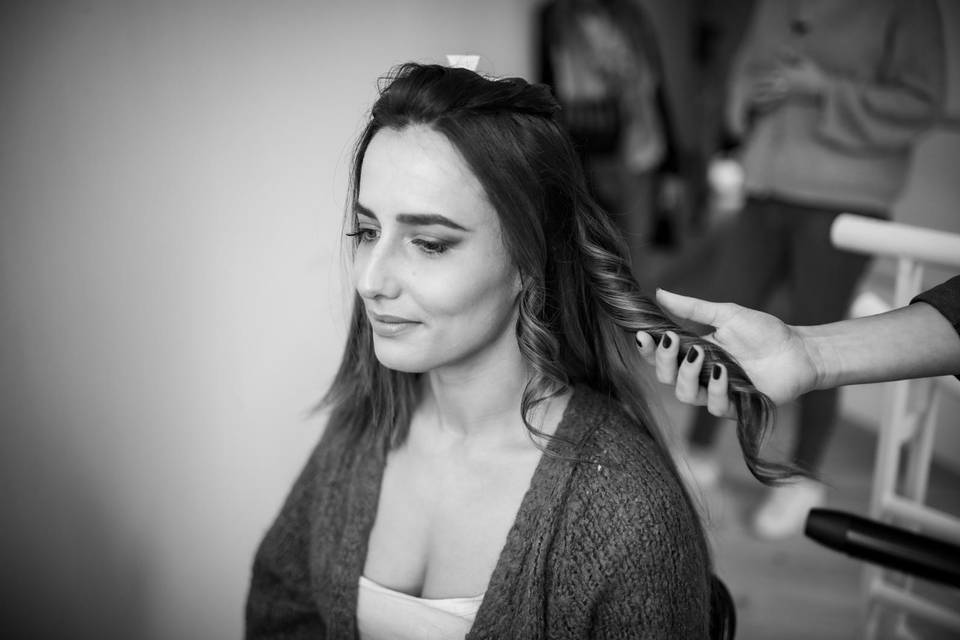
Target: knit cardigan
x,y
603,547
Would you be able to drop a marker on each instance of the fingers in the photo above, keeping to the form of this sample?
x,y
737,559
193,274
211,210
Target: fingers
x,y
647,346
770,90
773,86
686,375
666,357
695,309
688,387
718,401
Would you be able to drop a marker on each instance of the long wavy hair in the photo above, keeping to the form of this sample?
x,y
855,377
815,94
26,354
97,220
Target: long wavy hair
x,y
579,306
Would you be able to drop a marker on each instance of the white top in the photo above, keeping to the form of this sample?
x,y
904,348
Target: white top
x,y
383,614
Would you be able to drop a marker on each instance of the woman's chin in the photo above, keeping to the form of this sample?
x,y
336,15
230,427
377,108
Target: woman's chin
x,y
400,362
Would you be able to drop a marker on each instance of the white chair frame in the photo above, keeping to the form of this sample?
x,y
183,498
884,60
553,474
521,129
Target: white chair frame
x,y
908,425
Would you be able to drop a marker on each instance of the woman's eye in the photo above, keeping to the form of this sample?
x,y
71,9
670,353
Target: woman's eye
x,y
364,235
431,247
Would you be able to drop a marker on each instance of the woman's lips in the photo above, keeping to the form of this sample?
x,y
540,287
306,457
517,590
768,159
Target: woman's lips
x,y
387,326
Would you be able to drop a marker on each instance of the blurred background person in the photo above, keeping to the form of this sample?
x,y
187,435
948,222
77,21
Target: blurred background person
x,y
603,60
828,99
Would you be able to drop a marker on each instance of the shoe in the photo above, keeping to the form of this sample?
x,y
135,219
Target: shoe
x,y
784,511
700,470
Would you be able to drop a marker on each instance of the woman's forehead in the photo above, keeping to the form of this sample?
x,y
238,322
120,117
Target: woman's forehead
x,y
418,151
416,168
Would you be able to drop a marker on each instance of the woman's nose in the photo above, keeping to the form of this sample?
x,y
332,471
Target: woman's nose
x,y
375,270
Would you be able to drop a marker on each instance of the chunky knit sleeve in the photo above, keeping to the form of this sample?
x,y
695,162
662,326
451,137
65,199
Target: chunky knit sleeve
x,y
658,583
656,588
905,98
635,559
279,602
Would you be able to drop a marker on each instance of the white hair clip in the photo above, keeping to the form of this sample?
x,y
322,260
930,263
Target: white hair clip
x,y
463,61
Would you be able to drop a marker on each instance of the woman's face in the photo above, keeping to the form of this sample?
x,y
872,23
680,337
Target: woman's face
x,y
437,284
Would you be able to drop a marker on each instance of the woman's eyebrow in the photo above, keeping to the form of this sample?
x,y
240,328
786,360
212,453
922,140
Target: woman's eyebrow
x,y
413,219
360,210
425,219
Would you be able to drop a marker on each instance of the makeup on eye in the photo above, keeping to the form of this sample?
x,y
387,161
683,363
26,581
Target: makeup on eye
x,y
368,229
429,245
433,246
363,234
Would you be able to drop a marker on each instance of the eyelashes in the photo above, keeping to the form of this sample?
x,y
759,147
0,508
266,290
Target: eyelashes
x,y
363,235
431,247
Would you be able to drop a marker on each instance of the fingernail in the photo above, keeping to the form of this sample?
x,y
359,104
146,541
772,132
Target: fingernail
x,y
716,372
665,342
691,354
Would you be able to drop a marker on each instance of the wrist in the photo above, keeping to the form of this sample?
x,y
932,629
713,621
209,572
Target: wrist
x,y
821,356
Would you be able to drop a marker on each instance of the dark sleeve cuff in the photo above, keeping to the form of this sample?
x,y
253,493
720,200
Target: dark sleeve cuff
x,y
945,298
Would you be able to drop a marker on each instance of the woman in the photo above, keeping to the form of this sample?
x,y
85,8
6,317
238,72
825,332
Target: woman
x,y
489,465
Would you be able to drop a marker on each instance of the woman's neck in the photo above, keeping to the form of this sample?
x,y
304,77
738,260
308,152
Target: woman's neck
x,y
479,402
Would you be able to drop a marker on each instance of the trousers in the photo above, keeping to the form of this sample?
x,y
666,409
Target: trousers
x,y
779,245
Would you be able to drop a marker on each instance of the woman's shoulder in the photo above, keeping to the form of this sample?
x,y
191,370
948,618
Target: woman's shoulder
x,y
612,436
628,529
624,473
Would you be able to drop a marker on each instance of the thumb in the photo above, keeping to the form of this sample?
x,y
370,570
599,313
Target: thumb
x,y
695,309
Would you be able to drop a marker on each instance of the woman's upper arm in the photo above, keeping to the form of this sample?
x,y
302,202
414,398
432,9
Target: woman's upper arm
x,y
280,603
660,589
654,560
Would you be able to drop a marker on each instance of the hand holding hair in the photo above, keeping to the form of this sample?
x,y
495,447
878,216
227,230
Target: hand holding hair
x,y
773,354
785,361
687,374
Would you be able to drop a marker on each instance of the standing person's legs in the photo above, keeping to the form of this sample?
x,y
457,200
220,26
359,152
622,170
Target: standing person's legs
x,y
822,280
749,265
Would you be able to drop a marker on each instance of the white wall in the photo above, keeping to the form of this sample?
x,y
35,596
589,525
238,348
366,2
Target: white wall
x,y
171,182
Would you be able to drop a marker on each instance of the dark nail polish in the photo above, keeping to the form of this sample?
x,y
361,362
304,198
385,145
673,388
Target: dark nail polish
x,y
665,341
691,355
716,372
